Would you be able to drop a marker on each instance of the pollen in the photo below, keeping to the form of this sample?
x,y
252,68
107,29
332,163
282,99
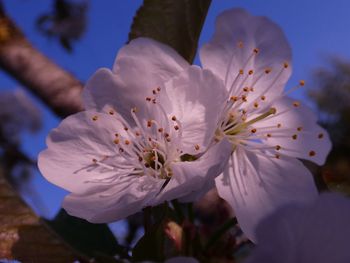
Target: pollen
x,y
160,130
94,118
166,135
312,153
278,147
126,128
320,136
299,128
233,98
296,103
277,156
267,71
245,89
116,141
263,97
256,50
116,135
127,142
154,92
94,160
176,127
244,98
196,147
173,118
256,105
241,71
111,112
302,82
148,98
149,123
285,65
268,135
294,137
253,130
250,72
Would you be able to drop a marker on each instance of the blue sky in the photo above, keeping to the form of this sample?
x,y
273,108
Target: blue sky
x,y
315,29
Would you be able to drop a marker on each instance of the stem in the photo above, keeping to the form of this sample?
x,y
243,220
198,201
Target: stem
x,y
178,210
220,232
147,218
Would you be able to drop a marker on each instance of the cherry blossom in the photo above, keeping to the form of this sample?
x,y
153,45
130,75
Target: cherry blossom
x,y
143,138
267,129
317,232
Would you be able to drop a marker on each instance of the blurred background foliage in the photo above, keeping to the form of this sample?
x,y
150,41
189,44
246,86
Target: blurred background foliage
x,y
27,237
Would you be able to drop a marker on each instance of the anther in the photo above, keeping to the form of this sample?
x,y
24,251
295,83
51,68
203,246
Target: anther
x,y
196,147
173,118
94,160
240,44
116,135
148,98
251,89
154,92
320,136
140,159
166,135
250,72
277,156
279,125
263,97
147,165
245,89
149,123
176,127
158,89
267,71
253,130
94,118
160,130
299,129
312,153
111,112
137,134
168,139
278,147
285,65
295,136
256,105
121,150
244,98
296,103
256,50
116,141
134,110
302,82
268,135
154,101
127,142
126,128
233,98
241,71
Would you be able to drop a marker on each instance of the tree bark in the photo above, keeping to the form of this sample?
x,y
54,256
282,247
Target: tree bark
x,y
57,88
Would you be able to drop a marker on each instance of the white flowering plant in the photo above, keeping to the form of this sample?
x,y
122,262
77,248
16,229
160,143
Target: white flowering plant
x,y
208,160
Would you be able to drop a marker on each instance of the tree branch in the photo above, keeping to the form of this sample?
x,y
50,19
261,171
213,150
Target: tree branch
x,y
57,88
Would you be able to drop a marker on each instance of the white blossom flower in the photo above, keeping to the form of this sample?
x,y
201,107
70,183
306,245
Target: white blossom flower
x,y
143,138
317,232
267,129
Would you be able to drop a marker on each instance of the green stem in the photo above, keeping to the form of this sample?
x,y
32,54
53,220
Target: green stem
x,y
220,232
178,210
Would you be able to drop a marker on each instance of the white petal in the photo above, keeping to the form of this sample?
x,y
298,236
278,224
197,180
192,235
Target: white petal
x,y
116,202
191,180
140,67
195,97
296,233
72,146
311,143
255,185
225,58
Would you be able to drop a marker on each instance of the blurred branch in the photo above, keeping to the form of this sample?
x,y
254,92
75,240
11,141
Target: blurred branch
x,y
57,88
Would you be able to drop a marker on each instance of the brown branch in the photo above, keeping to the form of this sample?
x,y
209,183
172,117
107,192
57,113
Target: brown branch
x,y
57,88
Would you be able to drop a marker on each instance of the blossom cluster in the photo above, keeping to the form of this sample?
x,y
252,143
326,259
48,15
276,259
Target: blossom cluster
x,y
156,128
